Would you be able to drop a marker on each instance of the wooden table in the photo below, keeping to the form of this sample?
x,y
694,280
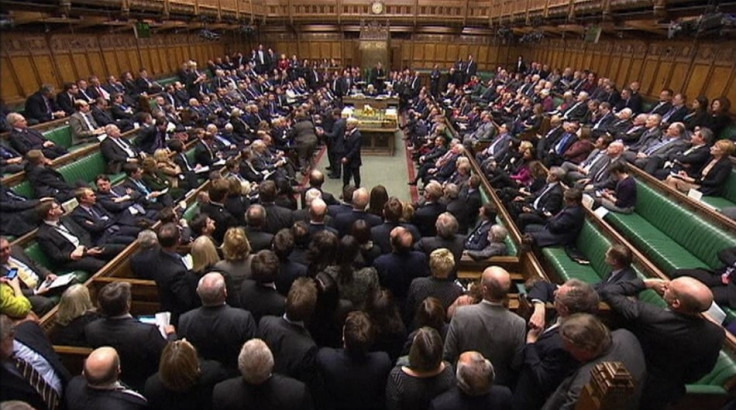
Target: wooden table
x,y
378,131
376,103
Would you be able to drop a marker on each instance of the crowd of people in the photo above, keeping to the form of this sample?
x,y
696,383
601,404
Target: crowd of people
x,y
283,296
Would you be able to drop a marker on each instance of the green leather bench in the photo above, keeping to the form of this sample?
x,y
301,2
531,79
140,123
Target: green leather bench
x,y
24,189
191,211
33,250
727,198
62,136
669,234
729,133
87,168
168,80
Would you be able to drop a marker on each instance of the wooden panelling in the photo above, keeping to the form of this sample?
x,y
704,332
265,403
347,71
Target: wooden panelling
x,y
29,60
691,67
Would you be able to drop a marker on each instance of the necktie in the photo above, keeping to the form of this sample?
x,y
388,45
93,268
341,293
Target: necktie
x,y
667,116
536,201
68,235
124,146
560,147
31,375
88,121
48,106
142,187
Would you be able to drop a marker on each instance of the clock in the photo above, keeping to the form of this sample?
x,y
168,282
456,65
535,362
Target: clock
x,y
376,7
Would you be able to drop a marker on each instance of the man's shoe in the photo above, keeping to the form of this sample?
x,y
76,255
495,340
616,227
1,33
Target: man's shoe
x,y
333,176
328,168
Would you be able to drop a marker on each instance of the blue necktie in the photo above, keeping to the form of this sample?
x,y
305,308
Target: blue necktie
x,y
559,148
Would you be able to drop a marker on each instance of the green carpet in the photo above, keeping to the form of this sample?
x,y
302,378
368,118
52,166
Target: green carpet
x,y
389,171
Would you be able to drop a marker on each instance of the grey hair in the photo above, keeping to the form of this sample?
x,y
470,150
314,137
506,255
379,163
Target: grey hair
x,y
475,377
211,289
255,361
147,239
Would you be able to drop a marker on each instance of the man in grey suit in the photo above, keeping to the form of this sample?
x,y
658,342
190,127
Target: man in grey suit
x,y
488,327
83,125
653,157
589,341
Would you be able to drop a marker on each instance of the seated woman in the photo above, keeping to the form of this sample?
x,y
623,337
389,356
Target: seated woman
x,y
183,380
496,246
156,180
75,311
427,375
623,198
712,177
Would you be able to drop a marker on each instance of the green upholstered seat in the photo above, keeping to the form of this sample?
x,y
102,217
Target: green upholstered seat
x,y
713,382
191,211
668,233
33,250
590,243
728,197
24,189
729,133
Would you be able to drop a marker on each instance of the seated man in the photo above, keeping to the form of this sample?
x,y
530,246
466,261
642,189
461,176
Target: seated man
x,y
67,244
563,228
98,386
496,245
24,139
102,226
116,150
125,204
541,205
134,181
46,181
83,125
18,212
31,276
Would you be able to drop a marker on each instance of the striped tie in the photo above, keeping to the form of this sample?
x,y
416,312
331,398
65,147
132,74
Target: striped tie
x,y
33,377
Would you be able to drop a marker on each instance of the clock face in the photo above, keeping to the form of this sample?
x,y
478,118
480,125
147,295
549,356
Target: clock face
x,y
377,7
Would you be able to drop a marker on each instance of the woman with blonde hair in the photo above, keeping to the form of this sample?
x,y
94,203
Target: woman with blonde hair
x,y
75,312
204,255
236,265
167,166
183,381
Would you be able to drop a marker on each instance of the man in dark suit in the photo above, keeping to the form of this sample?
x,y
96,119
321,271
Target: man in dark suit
x,y
592,344
126,205
260,385
26,354
255,217
344,221
116,150
397,269
30,274
679,345
447,237
664,104
175,282
11,161
19,212
345,205
541,205
146,255
294,350
153,137
426,214
316,179
720,281
477,239
351,160
690,160
67,244
475,389
561,229
215,208
65,99
619,258
677,111
134,182
46,181
353,377
139,344
335,139
41,107
98,386
277,217
217,330
101,225
258,294
542,362
381,234
24,139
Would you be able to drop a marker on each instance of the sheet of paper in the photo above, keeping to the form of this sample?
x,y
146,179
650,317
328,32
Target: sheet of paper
x,y
60,281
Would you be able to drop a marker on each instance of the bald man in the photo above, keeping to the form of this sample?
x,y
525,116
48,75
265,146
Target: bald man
x,y
475,387
344,221
680,346
488,327
397,269
98,387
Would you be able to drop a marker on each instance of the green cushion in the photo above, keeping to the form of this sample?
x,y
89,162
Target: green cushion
x,y
191,211
722,372
729,191
35,252
718,202
167,80
24,189
647,106
729,133
557,101
566,268
190,156
61,136
84,169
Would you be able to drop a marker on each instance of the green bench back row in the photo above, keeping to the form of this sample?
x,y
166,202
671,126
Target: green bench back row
x,y
34,252
61,136
728,197
729,133
682,232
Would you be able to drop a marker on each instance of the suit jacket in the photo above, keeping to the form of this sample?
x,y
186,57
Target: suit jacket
x,y
425,217
688,353
624,275
116,156
277,393
713,183
19,215
139,346
224,220
661,108
176,285
624,348
397,270
454,245
492,330
80,396
218,332
562,229
293,349
102,117
15,387
695,157
96,226
454,399
80,130
344,221
347,382
549,201
197,397
56,246
277,218
205,154
142,263
150,138
26,140
353,143
258,239
261,300
36,108
48,182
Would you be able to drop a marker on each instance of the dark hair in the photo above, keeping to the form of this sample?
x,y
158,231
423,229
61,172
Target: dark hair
x,y
361,231
358,333
283,244
267,191
328,296
347,252
378,198
430,312
393,209
322,251
264,266
218,190
425,353
113,299
198,224
175,145
621,254
168,235
384,313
